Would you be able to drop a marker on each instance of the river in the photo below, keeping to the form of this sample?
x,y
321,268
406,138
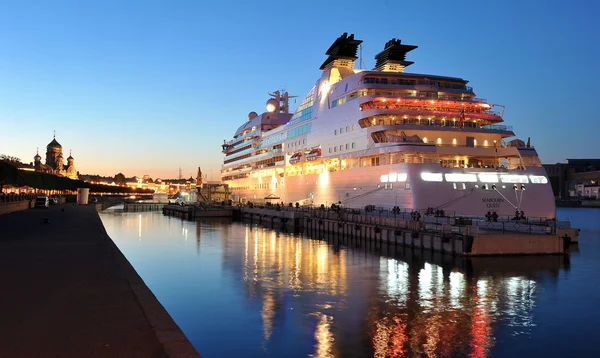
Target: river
x,y
238,290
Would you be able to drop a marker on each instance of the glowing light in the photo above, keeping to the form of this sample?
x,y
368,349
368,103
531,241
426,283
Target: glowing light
x,y
384,178
424,139
454,141
513,178
488,178
459,177
432,177
485,143
392,177
439,141
538,179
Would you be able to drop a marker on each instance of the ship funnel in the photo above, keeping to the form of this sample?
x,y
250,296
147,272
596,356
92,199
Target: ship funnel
x,y
342,53
393,57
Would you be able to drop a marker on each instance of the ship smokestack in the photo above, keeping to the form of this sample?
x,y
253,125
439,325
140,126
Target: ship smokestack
x,y
342,53
393,57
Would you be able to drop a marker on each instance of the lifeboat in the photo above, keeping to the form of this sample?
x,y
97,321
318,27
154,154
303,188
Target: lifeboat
x,y
314,154
295,158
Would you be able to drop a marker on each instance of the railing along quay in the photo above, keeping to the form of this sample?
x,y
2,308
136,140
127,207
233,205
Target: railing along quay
x,y
424,230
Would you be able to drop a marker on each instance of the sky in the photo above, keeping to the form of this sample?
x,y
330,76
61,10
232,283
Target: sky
x,y
148,87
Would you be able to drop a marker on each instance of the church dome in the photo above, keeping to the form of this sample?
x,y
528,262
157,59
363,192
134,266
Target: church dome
x,y
70,158
54,144
37,157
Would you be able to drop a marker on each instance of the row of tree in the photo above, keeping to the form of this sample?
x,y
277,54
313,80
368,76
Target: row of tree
x,y
11,175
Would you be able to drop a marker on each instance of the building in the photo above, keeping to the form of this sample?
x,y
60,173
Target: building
x,y
54,162
569,179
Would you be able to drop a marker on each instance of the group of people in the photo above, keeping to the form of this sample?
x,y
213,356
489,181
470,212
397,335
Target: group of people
x,y
436,212
519,215
491,216
415,215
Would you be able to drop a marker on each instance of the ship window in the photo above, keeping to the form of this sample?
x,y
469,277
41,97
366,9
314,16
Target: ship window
x,y
353,145
353,127
407,186
335,132
454,185
335,149
341,130
346,146
347,128
341,147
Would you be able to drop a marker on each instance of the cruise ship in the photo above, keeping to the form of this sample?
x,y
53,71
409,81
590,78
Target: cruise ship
x,y
388,138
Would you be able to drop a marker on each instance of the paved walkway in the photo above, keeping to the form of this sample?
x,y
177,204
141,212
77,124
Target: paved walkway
x,y
67,291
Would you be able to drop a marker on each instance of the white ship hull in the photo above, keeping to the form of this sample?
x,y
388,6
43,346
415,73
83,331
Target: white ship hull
x,y
359,187
386,138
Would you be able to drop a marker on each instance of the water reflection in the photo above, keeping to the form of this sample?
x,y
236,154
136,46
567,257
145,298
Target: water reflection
x,y
320,298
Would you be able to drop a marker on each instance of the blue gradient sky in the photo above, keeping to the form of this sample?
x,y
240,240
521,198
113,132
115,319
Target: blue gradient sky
x,y
146,87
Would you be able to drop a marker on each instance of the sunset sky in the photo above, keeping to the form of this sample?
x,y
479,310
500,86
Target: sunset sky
x,y
146,87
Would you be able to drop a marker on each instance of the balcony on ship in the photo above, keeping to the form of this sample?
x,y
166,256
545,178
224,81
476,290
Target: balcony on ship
x,y
423,84
376,125
425,108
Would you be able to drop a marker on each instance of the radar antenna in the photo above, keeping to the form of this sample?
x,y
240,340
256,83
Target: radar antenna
x,y
282,101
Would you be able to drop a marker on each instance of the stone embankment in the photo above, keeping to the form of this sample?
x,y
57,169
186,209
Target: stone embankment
x,y
67,291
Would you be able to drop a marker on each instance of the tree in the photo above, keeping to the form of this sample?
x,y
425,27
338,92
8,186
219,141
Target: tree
x,y
120,179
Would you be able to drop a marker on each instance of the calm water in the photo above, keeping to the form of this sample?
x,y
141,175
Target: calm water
x,y
243,291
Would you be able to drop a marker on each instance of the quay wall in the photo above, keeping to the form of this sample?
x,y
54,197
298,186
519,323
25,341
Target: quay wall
x,y
517,244
73,292
12,206
190,212
590,203
444,235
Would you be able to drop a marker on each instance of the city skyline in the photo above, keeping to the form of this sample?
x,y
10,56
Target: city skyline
x,y
141,88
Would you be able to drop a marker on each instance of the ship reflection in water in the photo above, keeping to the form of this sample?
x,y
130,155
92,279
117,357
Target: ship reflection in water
x,y
248,291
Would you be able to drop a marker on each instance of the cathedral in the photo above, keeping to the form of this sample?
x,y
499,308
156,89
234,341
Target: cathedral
x,y
54,162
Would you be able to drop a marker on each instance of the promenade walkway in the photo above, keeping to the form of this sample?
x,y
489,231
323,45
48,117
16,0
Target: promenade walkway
x,y
67,291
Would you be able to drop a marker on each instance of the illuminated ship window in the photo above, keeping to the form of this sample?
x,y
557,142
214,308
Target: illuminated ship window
x,y
509,178
538,179
432,177
488,178
305,108
458,177
384,178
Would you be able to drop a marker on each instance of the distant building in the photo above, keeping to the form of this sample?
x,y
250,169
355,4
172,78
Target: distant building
x,y
55,162
572,178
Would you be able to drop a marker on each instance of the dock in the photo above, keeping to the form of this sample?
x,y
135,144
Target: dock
x,y
197,210
450,235
68,291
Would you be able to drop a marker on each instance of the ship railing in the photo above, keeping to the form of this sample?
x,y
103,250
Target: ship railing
x,y
440,123
430,219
